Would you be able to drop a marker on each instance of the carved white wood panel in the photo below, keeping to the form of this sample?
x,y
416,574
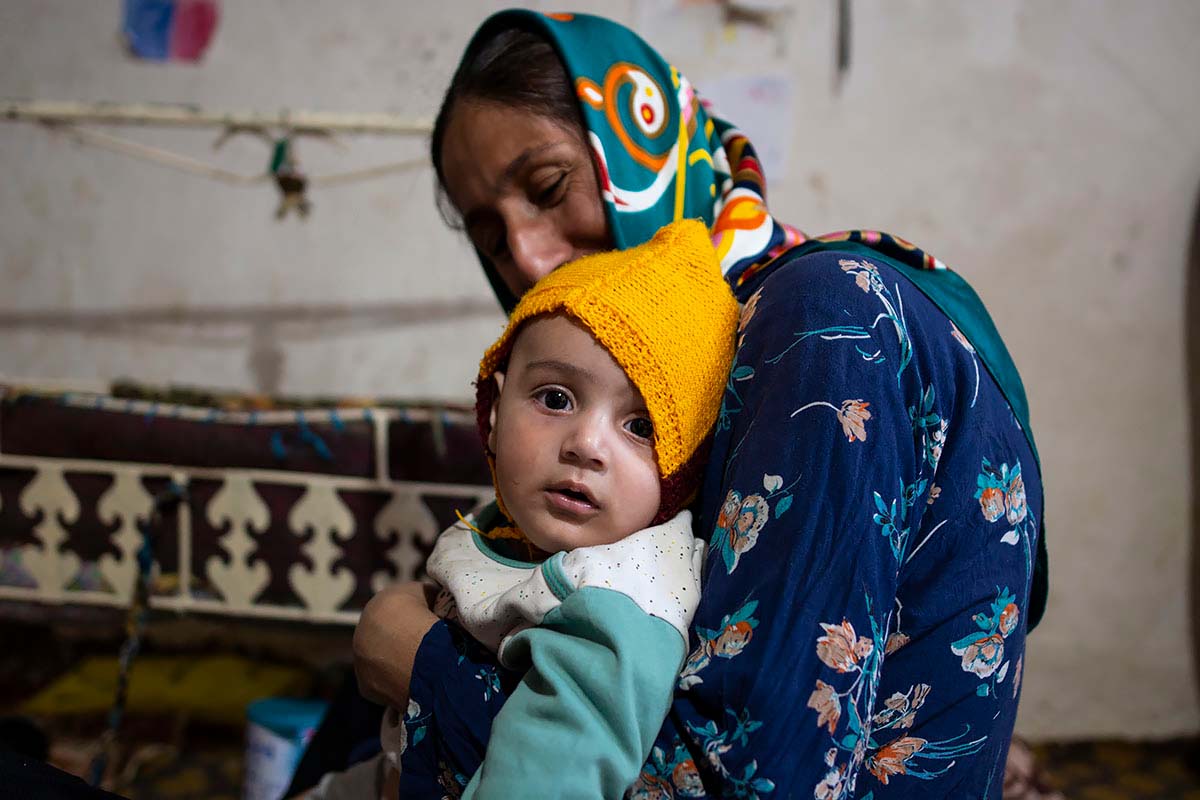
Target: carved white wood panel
x,y
49,493
324,513
237,503
128,501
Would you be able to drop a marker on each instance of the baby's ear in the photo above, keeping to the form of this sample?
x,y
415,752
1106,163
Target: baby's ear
x,y
499,378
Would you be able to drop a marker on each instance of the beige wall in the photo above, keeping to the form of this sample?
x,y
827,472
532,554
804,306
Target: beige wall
x,y
1048,151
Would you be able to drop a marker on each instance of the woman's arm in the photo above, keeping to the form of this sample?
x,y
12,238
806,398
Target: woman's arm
x,y
860,625
801,580
386,640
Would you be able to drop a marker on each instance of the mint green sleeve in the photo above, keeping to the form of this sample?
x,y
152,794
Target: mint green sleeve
x,y
601,675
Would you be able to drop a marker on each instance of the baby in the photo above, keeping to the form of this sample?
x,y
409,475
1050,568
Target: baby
x,y
595,407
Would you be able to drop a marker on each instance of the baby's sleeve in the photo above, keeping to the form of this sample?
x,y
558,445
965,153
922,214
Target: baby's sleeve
x,y
600,669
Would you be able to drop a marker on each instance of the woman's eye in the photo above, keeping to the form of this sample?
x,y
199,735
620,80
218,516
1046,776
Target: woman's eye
x,y
551,193
496,247
555,399
641,427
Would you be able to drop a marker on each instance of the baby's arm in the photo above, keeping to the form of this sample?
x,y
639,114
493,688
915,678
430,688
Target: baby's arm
x,y
601,668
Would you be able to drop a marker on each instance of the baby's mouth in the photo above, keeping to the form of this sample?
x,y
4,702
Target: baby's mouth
x,y
573,496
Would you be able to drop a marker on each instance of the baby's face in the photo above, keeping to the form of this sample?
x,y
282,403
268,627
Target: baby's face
x,y
573,441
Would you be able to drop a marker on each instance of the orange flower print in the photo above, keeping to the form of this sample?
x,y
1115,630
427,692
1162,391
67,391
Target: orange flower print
x,y
1008,619
1014,500
892,758
729,510
748,311
853,415
1017,676
733,639
830,786
1001,493
841,648
745,520
895,642
667,777
752,515
687,781
900,710
981,656
983,649
727,640
650,787
908,711
991,502
824,701
746,315
862,271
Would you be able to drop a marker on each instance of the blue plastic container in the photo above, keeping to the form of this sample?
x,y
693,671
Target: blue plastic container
x,y
277,731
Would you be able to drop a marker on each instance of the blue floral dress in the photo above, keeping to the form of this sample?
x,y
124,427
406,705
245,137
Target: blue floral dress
x,y
872,505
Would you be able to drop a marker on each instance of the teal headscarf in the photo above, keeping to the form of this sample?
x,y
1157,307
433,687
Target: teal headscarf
x,y
664,154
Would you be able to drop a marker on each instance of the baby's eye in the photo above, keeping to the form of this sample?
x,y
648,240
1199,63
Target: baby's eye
x,y
555,399
641,427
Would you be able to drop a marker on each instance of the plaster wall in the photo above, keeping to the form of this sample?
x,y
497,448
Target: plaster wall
x,y
1047,151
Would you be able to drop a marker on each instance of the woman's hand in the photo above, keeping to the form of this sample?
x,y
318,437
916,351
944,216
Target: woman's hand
x,y
386,639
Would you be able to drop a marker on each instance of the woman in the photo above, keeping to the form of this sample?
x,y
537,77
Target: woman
x,y
873,499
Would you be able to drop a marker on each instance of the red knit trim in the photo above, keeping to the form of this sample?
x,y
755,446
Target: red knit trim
x,y
678,491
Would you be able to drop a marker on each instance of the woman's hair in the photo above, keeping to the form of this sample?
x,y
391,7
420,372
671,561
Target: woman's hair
x,y
514,67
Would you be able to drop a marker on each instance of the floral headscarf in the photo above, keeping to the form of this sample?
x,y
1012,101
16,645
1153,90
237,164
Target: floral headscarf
x,y
664,154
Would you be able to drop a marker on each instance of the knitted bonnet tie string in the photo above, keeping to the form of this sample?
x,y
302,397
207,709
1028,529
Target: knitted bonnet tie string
x,y
500,532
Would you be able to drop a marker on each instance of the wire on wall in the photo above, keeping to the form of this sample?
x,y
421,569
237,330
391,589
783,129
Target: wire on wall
x,y
279,130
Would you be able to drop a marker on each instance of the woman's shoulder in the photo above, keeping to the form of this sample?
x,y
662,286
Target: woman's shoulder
x,y
861,318
806,283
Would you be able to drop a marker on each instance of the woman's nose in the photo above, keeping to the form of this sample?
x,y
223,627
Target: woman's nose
x,y
537,248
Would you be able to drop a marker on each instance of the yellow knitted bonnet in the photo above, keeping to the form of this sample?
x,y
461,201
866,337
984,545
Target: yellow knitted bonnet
x,y
668,318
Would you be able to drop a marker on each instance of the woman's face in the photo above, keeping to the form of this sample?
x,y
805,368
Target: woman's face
x,y
526,188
